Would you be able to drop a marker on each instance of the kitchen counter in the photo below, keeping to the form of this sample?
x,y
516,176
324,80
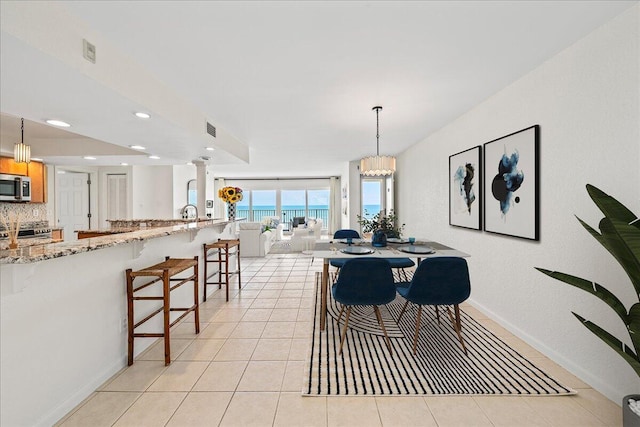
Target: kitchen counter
x,y
141,223
41,252
23,243
51,363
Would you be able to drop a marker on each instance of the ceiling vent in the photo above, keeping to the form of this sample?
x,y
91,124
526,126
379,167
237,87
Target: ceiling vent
x,y
211,129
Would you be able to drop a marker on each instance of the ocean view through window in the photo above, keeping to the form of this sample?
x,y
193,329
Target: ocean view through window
x,y
285,204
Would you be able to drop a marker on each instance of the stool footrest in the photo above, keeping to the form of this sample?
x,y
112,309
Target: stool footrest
x,y
153,313
159,279
148,335
147,298
183,281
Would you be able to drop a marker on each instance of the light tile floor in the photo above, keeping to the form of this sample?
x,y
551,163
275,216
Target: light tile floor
x,y
245,368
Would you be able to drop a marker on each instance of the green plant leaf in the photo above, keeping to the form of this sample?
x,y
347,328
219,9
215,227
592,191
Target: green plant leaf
x,y
634,326
621,348
623,242
593,288
610,207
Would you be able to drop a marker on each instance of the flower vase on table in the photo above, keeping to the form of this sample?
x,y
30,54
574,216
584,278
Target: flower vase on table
x,y
231,211
379,239
231,196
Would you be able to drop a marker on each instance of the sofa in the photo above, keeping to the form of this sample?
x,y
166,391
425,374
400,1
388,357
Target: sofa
x,y
253,241
302,236
276,226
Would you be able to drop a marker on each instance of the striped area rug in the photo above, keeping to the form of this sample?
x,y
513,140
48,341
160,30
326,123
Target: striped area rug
x,y
439,368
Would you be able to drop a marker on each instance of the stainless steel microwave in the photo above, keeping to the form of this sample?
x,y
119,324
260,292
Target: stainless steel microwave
x,y
15,188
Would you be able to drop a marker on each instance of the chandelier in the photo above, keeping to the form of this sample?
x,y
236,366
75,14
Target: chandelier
x,y
377,165
22,152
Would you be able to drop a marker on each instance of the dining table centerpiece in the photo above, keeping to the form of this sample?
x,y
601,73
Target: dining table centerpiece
x,y
230,195
382,226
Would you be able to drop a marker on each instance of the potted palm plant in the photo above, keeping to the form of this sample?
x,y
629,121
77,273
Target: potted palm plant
x,y
620,235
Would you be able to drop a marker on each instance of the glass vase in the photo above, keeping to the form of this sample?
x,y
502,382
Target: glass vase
x,y
379,239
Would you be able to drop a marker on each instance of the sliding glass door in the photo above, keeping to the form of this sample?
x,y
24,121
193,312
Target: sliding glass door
x,y
286,204
372,196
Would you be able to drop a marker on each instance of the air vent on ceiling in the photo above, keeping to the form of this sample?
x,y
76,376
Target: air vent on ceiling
x,y
211,129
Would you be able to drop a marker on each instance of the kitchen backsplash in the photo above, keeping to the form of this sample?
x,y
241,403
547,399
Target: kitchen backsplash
x,y
30,213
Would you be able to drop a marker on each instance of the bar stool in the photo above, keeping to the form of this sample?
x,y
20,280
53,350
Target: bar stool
x,y
223,248
163,272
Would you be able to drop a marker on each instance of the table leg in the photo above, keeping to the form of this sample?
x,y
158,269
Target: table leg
x,y
323,294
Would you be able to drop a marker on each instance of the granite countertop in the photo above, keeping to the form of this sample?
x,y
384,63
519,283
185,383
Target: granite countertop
x,y
114,230
152,222
41,252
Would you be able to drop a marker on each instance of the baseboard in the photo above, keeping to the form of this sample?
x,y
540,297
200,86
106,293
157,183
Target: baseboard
x,y
74,400
609,391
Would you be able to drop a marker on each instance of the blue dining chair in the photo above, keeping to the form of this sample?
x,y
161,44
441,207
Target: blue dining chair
x,y
364,281
400,264
343,234
438,281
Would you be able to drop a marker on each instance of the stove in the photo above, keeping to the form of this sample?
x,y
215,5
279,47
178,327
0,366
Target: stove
x,y
28,233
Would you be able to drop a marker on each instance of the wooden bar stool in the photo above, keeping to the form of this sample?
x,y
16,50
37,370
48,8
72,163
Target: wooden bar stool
x,y
163,272
223,248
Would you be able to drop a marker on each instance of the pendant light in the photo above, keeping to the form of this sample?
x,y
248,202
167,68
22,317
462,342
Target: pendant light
x,y
22,152
377,165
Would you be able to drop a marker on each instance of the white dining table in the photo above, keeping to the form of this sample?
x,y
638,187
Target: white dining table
x,y
389,251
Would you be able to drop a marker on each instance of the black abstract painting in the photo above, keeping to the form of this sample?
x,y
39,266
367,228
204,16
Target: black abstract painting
x,y
465,189
511,180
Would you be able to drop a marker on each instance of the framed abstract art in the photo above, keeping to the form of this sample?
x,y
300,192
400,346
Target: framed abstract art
x,y
511,184
465,201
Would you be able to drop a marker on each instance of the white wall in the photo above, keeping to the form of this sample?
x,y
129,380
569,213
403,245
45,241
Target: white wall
x,y
60,341
586,101
152,193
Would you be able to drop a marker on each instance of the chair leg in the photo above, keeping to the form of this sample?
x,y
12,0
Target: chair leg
x,y
437,314
340,315
404,307
415,336
343,335
384,330
457,324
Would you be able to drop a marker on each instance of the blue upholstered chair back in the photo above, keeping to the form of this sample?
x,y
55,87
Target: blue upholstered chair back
x,y
440,281
345,234
365,281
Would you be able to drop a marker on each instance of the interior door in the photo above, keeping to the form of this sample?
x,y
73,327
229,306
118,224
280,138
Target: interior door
x,y
116,196
72,202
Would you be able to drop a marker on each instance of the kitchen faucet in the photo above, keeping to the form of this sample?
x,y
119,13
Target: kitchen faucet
x,y
184,212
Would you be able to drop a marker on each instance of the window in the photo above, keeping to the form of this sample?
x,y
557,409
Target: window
x,y
372,196
286,199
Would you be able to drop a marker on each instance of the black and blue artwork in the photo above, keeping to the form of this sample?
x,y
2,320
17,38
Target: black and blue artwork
x,y
511,177
507,181
465,189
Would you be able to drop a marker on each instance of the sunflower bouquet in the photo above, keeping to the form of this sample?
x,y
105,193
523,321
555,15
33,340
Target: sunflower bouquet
x,y
230,194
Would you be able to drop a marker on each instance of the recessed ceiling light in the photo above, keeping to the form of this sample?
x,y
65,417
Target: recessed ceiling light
x,y
209,148
189,163
58,123
62,172
37,159
124,164
89,158
137,147
142,115
154,157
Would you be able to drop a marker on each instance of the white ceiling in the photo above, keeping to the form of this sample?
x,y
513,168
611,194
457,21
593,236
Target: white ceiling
x,y
296,81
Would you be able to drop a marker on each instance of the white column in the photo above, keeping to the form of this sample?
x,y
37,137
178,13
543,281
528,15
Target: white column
x,y
204,179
